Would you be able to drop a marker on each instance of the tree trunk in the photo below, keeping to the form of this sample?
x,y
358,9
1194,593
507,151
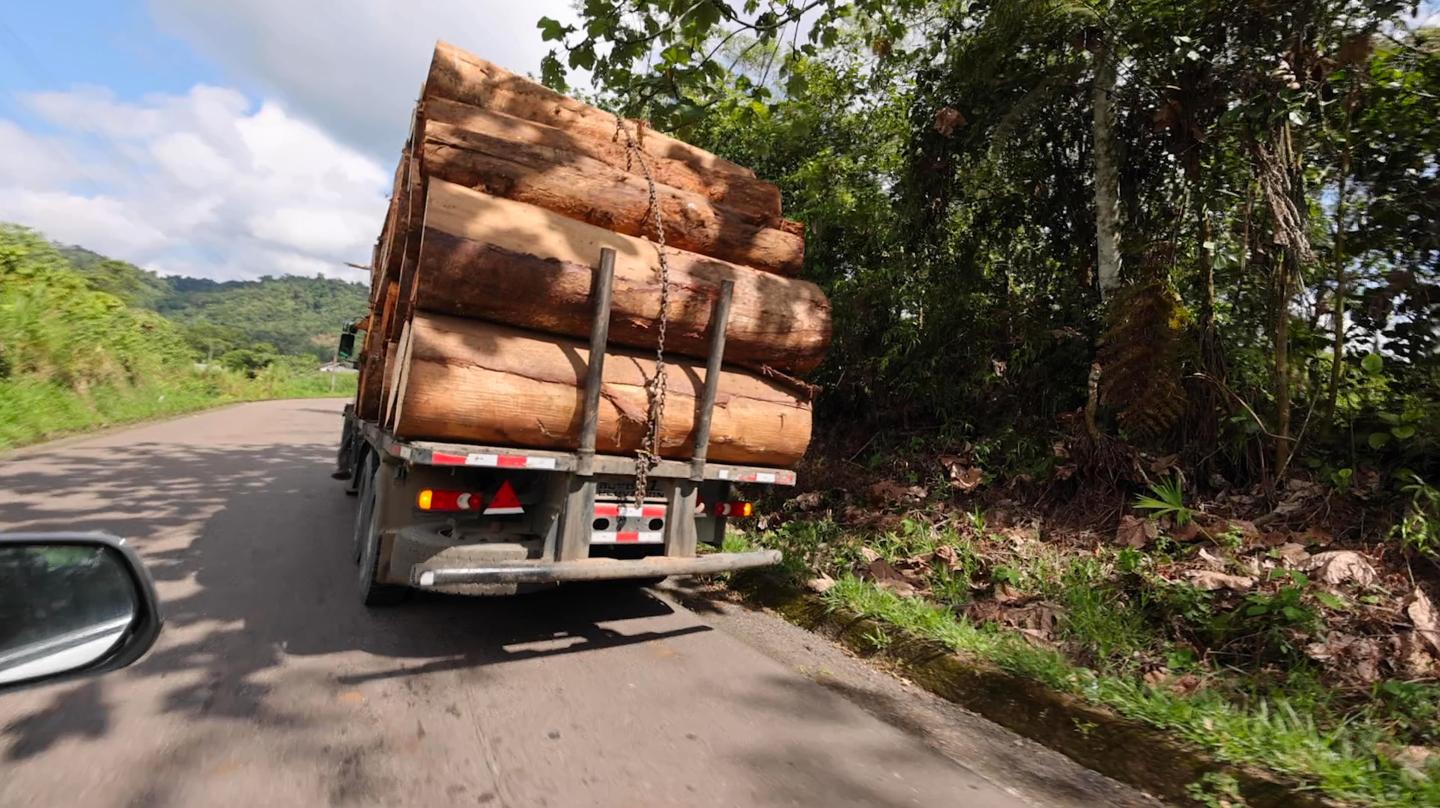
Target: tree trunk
x,y
1107,175
590,191
460,76
513,263
478,382
1342,290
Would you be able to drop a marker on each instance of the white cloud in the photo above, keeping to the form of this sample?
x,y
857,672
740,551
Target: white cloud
x,y
355,66
209,183
202,183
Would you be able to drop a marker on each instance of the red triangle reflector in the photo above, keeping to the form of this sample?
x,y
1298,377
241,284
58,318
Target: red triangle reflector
x,y
504,501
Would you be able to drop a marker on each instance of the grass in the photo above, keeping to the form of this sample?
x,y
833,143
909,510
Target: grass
x,y
33,410
1277,716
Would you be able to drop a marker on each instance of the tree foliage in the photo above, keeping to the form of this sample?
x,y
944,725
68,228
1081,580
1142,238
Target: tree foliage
x,y
1277,209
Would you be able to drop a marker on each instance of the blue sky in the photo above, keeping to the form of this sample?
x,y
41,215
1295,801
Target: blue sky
x,y
225,138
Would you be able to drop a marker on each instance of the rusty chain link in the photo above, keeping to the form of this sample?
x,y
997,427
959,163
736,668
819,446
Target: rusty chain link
x,y
649,452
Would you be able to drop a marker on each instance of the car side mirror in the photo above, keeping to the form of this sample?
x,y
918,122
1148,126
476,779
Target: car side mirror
x,y
71,604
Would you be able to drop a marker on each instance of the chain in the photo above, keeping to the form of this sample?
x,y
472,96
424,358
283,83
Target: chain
x,y
649,452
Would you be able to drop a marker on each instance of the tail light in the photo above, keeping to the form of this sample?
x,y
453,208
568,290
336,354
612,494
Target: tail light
x,y
734,509
431,499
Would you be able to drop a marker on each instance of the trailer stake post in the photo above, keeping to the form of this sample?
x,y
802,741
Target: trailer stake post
x,y
719,322
600,289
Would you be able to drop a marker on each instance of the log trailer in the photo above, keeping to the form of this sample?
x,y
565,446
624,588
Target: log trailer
x,y
473,519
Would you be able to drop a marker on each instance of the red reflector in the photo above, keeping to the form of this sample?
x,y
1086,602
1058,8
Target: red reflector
x,y
433,500
504,501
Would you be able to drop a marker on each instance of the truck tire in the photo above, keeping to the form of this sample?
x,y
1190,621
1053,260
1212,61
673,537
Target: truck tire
x,y
363,472
373,594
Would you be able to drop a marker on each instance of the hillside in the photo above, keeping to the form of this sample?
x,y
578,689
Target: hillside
x,y
87,341
296,315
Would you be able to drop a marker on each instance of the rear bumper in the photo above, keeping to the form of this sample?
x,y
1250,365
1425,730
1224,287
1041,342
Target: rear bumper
x,y
589,569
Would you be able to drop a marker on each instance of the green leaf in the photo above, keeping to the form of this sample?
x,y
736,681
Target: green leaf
x,y
1378,439
1404,432
552,29
1373,364
1331,601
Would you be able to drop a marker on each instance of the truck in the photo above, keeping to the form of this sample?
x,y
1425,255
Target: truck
x,y
472,519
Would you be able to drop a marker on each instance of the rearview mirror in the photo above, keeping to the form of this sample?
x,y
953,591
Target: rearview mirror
x,y
71,604
345,351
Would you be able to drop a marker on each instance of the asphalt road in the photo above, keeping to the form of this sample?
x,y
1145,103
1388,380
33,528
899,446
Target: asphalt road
x,y
272,686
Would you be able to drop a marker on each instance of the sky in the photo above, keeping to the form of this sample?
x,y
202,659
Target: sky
x,y
226,139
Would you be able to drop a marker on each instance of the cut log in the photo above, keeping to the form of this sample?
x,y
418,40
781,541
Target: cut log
x,y
479,382
482,256
761,207
589,190
464,77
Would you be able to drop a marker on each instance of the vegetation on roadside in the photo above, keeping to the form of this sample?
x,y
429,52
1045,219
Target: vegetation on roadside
x,y
1288,672
1166,274
80,349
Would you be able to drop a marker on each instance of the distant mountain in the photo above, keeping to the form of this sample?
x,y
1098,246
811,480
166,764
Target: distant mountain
x,y
296,315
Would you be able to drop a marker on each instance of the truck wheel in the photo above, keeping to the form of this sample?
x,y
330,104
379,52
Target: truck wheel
x,y
368,536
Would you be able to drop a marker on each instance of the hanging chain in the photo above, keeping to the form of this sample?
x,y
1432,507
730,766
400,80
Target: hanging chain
x,y
649,452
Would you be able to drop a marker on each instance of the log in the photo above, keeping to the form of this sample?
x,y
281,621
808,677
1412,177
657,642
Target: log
x,y
474,381
460,76
482,256
762,208
589,190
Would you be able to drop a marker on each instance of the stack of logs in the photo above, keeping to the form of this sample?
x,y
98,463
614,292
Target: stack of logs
x,y
481,295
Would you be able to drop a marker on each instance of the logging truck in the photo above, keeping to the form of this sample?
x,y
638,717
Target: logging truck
x,y
491,447
466,518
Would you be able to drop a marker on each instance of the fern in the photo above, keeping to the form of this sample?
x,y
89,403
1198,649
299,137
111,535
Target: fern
x,y
1140,355
1166,499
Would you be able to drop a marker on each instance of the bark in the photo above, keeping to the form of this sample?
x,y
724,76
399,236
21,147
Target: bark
x,y
590,191
459,76
1107,175
522,265
479,382
758,201
371,395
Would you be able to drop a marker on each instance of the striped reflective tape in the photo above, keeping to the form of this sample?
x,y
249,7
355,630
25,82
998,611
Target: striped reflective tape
x,y
779,477
627,537
649,511
492,460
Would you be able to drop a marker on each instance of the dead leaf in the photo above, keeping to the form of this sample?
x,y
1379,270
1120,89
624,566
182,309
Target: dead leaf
x,y
1427,624
1408,650
1337,567
1313,537
1186,684
1187,532
1160,465
948,556
947,119
1135,532
1065,472
886,576
1292,554
808,501
869,555
1039,620
1355,659
1212,561
1210,580
889,492
820,584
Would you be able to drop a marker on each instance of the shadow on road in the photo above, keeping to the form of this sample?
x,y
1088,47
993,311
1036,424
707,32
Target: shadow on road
x,y
250,546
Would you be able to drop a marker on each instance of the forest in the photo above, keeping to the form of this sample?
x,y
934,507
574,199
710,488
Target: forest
x,y
88,341
1136,341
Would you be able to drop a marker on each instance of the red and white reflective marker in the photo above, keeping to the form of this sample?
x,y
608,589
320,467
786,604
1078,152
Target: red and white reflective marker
x,y
504,502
